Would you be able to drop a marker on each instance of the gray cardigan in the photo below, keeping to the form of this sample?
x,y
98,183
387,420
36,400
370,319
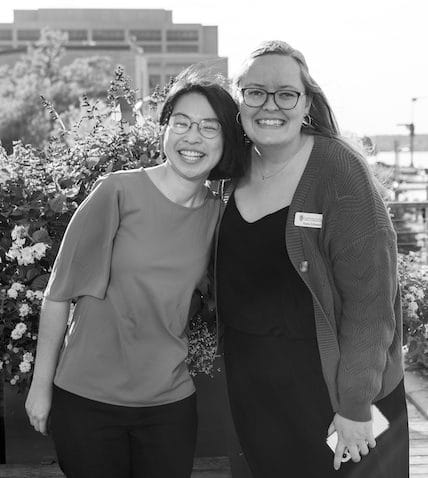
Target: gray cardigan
x,y
350,267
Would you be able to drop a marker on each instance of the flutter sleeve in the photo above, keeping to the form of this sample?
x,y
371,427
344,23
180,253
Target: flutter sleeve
x,y
82,266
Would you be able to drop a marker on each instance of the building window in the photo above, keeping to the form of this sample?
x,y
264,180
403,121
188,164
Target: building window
x,y
182,48
182,35
28,35
77,35
176,66
146,35
5,35
154,80
108,35
151,48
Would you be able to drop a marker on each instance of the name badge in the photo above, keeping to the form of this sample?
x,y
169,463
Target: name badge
x,y
308,219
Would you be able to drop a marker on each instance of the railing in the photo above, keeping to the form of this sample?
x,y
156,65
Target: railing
x,y
410,221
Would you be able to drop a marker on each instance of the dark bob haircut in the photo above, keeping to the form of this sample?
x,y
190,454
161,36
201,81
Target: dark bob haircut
x,y
195,80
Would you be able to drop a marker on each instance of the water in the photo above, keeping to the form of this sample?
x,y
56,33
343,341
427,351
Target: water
x,y
420,158
415,192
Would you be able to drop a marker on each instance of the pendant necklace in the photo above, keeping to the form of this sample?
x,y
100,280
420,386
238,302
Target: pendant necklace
x,y
271,175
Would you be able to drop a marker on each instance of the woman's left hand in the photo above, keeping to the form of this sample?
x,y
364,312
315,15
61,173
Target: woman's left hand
x,y
352,436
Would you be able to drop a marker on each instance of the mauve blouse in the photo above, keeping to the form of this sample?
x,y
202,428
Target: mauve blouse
x,y
133,258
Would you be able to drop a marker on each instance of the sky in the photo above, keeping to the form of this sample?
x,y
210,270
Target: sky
x,y
370,57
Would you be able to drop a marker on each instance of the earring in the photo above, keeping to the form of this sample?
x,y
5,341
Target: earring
x,y
247,140
307,121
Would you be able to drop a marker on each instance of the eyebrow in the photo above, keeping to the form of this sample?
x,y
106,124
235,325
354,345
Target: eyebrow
x,y
193,118
259,85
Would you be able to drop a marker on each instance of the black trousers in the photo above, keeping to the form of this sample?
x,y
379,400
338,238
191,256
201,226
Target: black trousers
x,y
99,440
281,410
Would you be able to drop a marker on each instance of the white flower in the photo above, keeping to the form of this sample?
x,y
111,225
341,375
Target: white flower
x,y
12,293
18,232
13,381
15,350
14,289
28,357
9,347
13,253
29,294
26,256
15,334
18,331
1,365
413,307
39,250
409,297
24,310
25,367
420,294
38,294
22,327
19,242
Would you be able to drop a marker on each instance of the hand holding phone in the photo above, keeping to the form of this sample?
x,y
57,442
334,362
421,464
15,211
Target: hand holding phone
x,y
380,424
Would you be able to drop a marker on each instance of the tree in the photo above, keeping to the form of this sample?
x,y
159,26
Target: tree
x,y
41,72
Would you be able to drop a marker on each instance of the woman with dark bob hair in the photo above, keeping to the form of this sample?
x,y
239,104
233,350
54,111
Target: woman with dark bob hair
x,y
114,382
307,288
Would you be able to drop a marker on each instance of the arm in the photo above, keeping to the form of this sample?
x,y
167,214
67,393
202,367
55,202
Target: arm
x,y
365,273
53,322
363,260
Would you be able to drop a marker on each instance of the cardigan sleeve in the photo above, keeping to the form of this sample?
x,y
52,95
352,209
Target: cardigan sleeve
x,y
82,266
363,253
365,273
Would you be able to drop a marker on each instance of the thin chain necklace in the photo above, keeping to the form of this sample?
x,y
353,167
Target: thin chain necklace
x,y
265,176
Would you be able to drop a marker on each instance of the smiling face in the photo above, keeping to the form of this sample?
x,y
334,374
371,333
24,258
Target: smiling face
x,y
269,125
191,155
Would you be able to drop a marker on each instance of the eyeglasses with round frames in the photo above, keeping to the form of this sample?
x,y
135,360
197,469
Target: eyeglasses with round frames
x,y
180,123
284,99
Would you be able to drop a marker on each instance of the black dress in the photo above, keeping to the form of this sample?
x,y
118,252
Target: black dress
x,y
279,401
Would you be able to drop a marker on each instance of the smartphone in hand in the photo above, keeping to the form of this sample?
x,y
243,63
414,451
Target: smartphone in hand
x,y
380,424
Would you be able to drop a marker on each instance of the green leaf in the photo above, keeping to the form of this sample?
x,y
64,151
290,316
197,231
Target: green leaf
x,y
32,274
40,282
41,235
58,203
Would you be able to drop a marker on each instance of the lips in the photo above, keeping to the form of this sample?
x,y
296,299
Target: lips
x,y
191,155
270,122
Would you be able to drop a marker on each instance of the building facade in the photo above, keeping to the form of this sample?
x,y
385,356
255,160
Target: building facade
x,y
147,43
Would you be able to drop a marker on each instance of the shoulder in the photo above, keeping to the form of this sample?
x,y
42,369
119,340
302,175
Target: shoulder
x,y
340,156
345,166
119,179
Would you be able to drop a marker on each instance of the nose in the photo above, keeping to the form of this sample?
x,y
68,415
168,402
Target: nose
x,y
270,102
193,134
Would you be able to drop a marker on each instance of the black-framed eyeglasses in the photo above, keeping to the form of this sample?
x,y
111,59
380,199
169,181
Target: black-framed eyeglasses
x,y
181,123
284,99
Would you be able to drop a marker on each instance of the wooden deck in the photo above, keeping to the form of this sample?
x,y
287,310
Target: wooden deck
x,y
418,429
219,467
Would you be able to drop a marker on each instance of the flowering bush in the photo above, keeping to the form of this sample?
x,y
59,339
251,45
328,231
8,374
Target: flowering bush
x,y
39,191
202,346
414,295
